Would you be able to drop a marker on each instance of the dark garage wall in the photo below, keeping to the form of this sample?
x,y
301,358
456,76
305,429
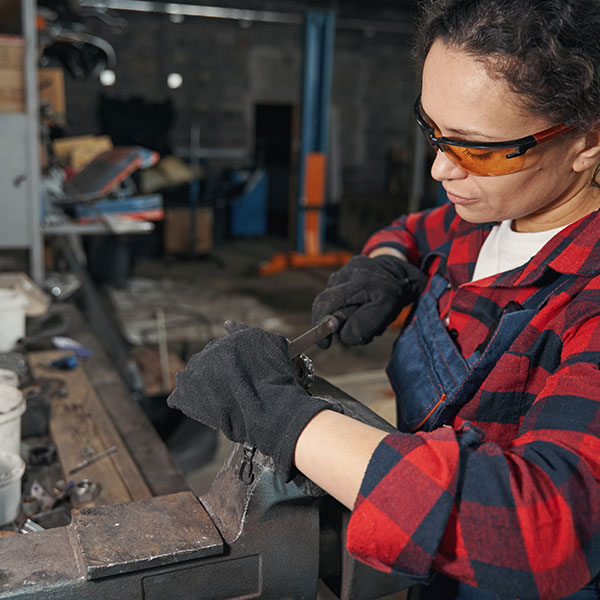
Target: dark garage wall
x,y
228,69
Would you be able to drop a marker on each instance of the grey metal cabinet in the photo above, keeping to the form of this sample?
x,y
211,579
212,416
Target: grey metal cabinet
x,y
20,160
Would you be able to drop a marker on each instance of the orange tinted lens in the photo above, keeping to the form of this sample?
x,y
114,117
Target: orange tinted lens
x,y
484,161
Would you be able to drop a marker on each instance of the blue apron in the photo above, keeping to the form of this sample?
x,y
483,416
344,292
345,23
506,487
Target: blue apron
x,y
432,381
430,377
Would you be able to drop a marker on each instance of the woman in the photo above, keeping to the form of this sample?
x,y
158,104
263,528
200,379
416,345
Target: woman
x,y
492,481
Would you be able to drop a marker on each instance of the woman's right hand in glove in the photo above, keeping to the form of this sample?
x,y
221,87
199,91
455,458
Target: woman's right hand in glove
x,y
376,288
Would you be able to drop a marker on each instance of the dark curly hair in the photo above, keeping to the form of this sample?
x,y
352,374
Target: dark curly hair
x,y
548,51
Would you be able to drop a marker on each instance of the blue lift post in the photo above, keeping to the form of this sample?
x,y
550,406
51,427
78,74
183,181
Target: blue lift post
x,y
316,99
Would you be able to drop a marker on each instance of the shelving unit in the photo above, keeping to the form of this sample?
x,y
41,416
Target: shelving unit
x,y
19,147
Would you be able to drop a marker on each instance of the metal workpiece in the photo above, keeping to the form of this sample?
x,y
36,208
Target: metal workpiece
x,y
304,371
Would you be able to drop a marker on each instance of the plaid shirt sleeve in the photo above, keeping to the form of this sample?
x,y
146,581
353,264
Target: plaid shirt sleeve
x,y
521,521
417,233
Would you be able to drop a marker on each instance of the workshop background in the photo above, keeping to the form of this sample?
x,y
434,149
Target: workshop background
x,y
163,168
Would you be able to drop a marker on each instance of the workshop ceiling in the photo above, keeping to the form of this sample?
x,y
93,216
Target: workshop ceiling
x,y
253,4
392,16
372,4
355,6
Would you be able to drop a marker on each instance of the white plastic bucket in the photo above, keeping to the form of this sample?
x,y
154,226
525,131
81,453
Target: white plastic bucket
x,y
12,467
12,406
12,318
8,377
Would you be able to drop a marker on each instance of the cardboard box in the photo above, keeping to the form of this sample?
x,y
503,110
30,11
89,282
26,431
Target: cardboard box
x,y
176,236
12,82
149,363
12,91
12,52
77,152
51,86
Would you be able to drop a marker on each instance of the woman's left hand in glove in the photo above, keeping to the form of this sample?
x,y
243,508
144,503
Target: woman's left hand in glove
x,y
245,385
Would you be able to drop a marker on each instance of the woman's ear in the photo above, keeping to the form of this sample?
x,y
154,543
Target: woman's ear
x,y
589,155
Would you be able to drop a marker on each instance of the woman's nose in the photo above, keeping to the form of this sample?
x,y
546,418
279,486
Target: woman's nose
x,y
443,169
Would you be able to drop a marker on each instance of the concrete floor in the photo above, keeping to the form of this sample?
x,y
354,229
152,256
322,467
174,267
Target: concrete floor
x,y
198,295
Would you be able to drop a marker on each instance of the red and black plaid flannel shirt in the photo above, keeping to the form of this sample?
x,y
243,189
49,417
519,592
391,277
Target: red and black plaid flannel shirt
x,y
518,514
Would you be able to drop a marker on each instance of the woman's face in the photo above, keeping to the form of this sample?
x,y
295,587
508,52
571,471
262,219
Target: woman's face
x,y
463,100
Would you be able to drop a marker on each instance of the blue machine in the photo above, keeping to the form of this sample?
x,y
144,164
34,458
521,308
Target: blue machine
x,y
249,211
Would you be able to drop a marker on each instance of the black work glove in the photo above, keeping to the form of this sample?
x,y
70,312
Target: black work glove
x,y
245,385
376,288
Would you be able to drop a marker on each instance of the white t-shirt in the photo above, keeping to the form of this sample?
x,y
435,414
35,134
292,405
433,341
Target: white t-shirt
x,y
505,249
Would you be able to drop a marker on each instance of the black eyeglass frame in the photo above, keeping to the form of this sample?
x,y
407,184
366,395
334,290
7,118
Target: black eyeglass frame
x,y
521,145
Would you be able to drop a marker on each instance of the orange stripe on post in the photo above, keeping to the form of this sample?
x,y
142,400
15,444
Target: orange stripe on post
x,y
314,193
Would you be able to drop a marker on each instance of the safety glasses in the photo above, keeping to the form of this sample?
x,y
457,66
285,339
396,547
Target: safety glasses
x,y
485,159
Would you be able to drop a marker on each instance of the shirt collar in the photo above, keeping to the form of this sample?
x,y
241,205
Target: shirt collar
x,y
574,250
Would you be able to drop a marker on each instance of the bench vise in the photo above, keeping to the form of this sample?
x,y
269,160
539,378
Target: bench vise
x,y
250,536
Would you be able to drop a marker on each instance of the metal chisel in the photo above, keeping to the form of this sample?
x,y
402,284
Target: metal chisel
x,y
328,325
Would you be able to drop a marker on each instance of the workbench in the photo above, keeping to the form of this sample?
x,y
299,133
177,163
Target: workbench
x,y
95,412
81,426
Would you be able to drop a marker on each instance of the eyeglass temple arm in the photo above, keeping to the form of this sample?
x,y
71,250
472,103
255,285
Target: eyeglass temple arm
x,y
544,136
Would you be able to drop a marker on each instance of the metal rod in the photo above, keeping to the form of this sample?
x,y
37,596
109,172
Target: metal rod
x,y
163,352
93,459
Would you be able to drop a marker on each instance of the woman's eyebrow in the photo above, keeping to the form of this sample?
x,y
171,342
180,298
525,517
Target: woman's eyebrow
x,y
461,132
468,133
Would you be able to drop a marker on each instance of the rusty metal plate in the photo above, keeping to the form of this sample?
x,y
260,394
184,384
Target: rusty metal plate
x,y
121,538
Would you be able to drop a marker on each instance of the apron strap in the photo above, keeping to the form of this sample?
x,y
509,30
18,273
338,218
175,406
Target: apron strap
x,y
534,302
548,289
443,266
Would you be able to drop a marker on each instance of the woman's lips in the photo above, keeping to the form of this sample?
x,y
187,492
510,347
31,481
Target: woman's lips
x,y
459,199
